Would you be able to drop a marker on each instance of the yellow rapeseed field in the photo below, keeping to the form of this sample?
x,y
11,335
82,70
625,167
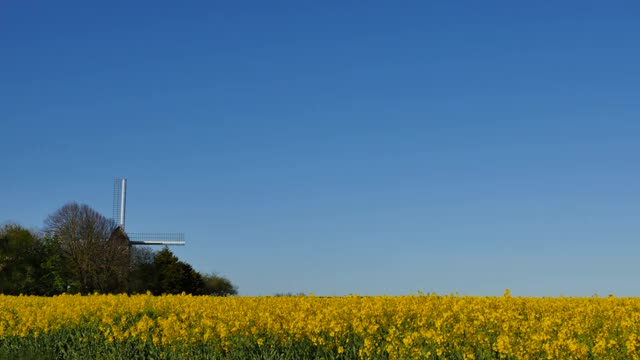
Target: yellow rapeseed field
x,y
352,327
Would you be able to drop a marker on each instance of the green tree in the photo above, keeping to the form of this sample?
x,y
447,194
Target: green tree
x,y
218,285
142,277
57,278
173,276
164,273
21,255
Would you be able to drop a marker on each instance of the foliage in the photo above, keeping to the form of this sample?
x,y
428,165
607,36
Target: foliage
x,y
142,275
83,252
218,285
173,276
289,294
353,327
57,277
163,273
20,255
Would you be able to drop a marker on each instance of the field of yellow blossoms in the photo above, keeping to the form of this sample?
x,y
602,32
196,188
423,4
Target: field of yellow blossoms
x,y
309,327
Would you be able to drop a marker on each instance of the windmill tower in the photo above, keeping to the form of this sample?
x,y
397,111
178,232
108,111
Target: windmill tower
x,y
119,210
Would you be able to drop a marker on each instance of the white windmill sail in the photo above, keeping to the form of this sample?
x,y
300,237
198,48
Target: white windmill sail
x,y
119,212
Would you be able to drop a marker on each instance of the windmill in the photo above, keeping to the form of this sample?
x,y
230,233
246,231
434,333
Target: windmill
x,y
119,207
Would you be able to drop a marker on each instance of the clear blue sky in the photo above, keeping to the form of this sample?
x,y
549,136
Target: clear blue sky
x,y
339,147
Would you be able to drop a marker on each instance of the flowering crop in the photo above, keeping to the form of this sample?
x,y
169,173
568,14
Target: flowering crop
x,y
353,327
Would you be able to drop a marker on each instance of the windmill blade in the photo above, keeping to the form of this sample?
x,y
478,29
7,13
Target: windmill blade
x,y
119,200
119,207
156,239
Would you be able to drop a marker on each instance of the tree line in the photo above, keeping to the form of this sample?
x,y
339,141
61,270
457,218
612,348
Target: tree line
x,y
81,251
